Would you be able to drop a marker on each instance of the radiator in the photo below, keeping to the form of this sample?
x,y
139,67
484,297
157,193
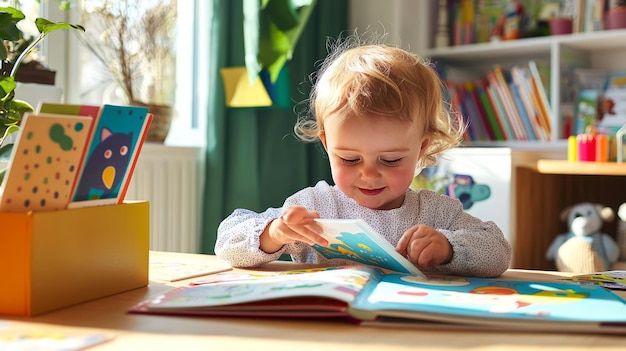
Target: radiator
x,y
168,177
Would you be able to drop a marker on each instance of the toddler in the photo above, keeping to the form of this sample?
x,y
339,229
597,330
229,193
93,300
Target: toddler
x,y
379,113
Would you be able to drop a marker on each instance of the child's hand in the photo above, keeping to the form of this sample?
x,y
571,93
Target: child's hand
x,y
295,224
424,246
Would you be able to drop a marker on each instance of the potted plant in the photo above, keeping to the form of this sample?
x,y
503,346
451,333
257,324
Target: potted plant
x,y
12,110
135,42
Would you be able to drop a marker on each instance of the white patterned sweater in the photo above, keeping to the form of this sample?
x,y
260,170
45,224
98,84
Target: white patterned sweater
x,y
480,248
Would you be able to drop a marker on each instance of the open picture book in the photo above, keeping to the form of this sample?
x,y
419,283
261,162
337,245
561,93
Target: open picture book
x,y
356,241
366,296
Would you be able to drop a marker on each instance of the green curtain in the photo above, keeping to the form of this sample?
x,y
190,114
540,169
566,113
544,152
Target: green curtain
x,y
253,160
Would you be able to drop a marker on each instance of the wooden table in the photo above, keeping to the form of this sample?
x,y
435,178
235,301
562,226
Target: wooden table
x,y
148,332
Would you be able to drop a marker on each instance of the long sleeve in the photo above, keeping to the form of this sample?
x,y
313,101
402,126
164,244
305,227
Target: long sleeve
x,y
480,248
238,238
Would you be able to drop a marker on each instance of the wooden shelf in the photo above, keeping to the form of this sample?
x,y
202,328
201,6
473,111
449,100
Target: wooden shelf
x,y
581,168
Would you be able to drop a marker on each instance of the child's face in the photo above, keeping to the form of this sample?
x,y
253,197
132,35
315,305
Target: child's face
x,y
373,160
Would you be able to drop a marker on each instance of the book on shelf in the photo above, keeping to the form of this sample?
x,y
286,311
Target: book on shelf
x,y
504,100
489,109
612,112
593,15
476,127
586,110
503,104
367,296
500,113
521,76
479,111
454,100
509,103
523,113
354,240
539,90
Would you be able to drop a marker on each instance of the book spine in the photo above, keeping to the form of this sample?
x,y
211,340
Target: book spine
x,y
478,107
542,97
500,113
488,107
477,129
510,101
530,132
505,102
455,106
525,92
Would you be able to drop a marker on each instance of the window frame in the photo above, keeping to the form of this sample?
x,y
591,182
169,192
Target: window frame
x,y
62,53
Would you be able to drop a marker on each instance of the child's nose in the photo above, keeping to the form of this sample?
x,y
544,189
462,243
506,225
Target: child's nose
x,y
369,171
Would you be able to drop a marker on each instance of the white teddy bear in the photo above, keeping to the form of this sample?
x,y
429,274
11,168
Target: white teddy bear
x,y
585,248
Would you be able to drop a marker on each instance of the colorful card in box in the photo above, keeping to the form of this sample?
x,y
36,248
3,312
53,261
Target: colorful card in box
x,y
44,163
112,154
69,109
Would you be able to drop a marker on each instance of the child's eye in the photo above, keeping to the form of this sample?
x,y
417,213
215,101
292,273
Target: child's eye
x,y
350,161
390,162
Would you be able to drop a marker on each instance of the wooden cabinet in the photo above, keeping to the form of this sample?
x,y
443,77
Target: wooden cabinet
x,y
542,192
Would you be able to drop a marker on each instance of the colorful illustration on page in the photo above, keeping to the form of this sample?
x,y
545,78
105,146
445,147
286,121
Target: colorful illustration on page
x,y
495,299
360,248
45,163
112,147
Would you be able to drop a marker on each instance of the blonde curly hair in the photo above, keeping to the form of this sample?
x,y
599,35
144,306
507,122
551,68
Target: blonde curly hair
x,y
374,80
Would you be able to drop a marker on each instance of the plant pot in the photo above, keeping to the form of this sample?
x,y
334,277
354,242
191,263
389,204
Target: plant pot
x,y
616,18
31,72
161,122
561,25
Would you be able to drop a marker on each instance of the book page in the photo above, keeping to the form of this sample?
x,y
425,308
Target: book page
x,y
355,240
175,271
480,300
342,284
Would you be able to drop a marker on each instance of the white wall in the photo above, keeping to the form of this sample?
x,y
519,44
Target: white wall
x,y
406,21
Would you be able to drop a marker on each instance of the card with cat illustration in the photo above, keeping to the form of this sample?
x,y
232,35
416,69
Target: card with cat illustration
x,y
112,154
45,162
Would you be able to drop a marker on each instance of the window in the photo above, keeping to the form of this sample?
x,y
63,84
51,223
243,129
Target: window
x,y
85,80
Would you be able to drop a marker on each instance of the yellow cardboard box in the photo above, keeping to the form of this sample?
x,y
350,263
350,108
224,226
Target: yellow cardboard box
x,y
50,260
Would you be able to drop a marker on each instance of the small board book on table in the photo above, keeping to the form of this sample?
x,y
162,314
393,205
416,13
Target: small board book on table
x,y
367,296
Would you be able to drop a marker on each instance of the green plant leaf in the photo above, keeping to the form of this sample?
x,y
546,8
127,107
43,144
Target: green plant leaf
x,y
7,84
5,152
45,27
5,156
22,106
8,25
11,111
276,45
